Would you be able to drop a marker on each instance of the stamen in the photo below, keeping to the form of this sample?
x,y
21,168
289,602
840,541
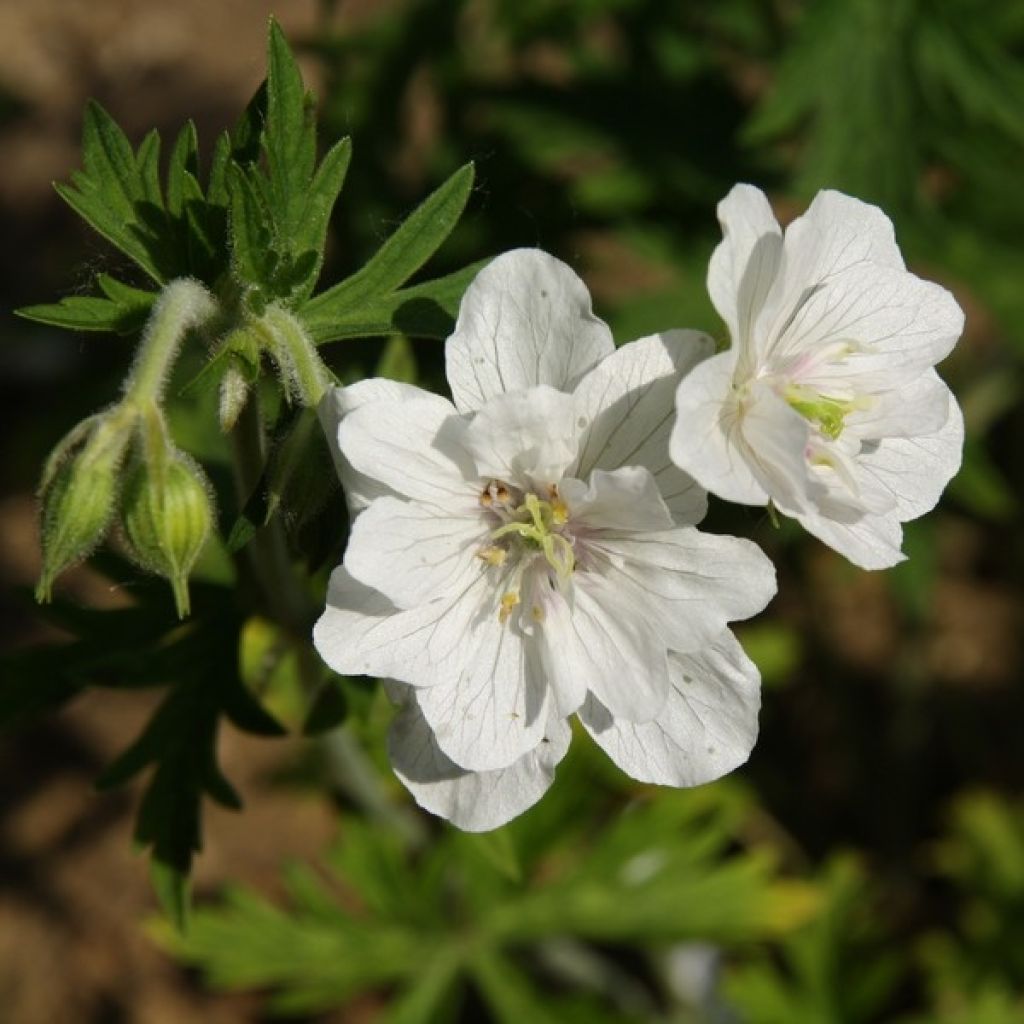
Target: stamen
x,y
538,613
508,602
493,555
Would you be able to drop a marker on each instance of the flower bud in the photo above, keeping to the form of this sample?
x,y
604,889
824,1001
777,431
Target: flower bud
x,y
78,494
167,512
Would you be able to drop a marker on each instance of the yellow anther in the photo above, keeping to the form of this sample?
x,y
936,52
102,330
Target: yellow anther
x,y
508,602
559,512
492,555
538,613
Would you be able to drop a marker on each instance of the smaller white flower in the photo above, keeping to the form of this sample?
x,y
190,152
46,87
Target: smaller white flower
x,y
529,552
826,404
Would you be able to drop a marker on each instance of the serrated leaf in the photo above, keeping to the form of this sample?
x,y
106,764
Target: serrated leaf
x,y
310,233
110,193
426,310
251,227
289,136
148,163
412,244
90,313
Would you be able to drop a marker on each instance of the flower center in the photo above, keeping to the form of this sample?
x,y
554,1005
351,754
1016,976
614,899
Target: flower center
x,y
528,525
827,413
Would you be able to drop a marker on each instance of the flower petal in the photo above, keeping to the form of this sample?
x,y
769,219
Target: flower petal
x,y
336,404
362,633
706,442
408,447
774,438
744,266
687,584
493,707
525,320
628,402
843,279
707,728
626,499
473,801
600,642
915,470
919,408
527,438
871,542
412,553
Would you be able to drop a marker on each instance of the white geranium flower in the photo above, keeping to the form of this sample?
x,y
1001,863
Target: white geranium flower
x,y
529,553
826,404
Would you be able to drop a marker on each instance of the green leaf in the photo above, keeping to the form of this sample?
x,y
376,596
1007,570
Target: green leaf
x,y
172,892
508,992
309,234
115,192
91,313
289,136
315,960
251,225
426,310
431,993
411,245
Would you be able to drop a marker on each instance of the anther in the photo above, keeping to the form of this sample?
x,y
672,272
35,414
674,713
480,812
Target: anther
x,y
508,602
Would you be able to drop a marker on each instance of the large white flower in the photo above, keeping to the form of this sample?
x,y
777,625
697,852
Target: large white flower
x,y
529,553
826,404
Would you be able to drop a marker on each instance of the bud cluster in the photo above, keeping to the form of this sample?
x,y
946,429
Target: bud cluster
x,y
121,465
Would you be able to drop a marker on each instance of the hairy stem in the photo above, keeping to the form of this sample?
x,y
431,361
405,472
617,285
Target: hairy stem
x,y
183,304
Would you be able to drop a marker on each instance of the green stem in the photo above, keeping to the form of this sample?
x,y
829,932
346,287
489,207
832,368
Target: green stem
x,y
296,350
184,303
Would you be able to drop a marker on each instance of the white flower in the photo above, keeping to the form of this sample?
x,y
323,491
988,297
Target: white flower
x,y
528,553
826,404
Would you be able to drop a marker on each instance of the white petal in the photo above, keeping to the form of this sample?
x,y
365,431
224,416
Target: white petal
x,y
362,633
337,403
408,447
413,553
707,728
774,438
871,542
744,266
626,499
494,706
525,320
706,442
918,408
915,470
688,584
843,279
527,438
473,801
597,641
628,403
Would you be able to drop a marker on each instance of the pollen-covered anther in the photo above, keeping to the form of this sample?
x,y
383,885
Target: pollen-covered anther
x,y
492,555
496,495
508,603
537,613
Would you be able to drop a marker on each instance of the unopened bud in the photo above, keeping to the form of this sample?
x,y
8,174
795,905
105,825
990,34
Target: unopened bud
x,y
78,495
167,513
